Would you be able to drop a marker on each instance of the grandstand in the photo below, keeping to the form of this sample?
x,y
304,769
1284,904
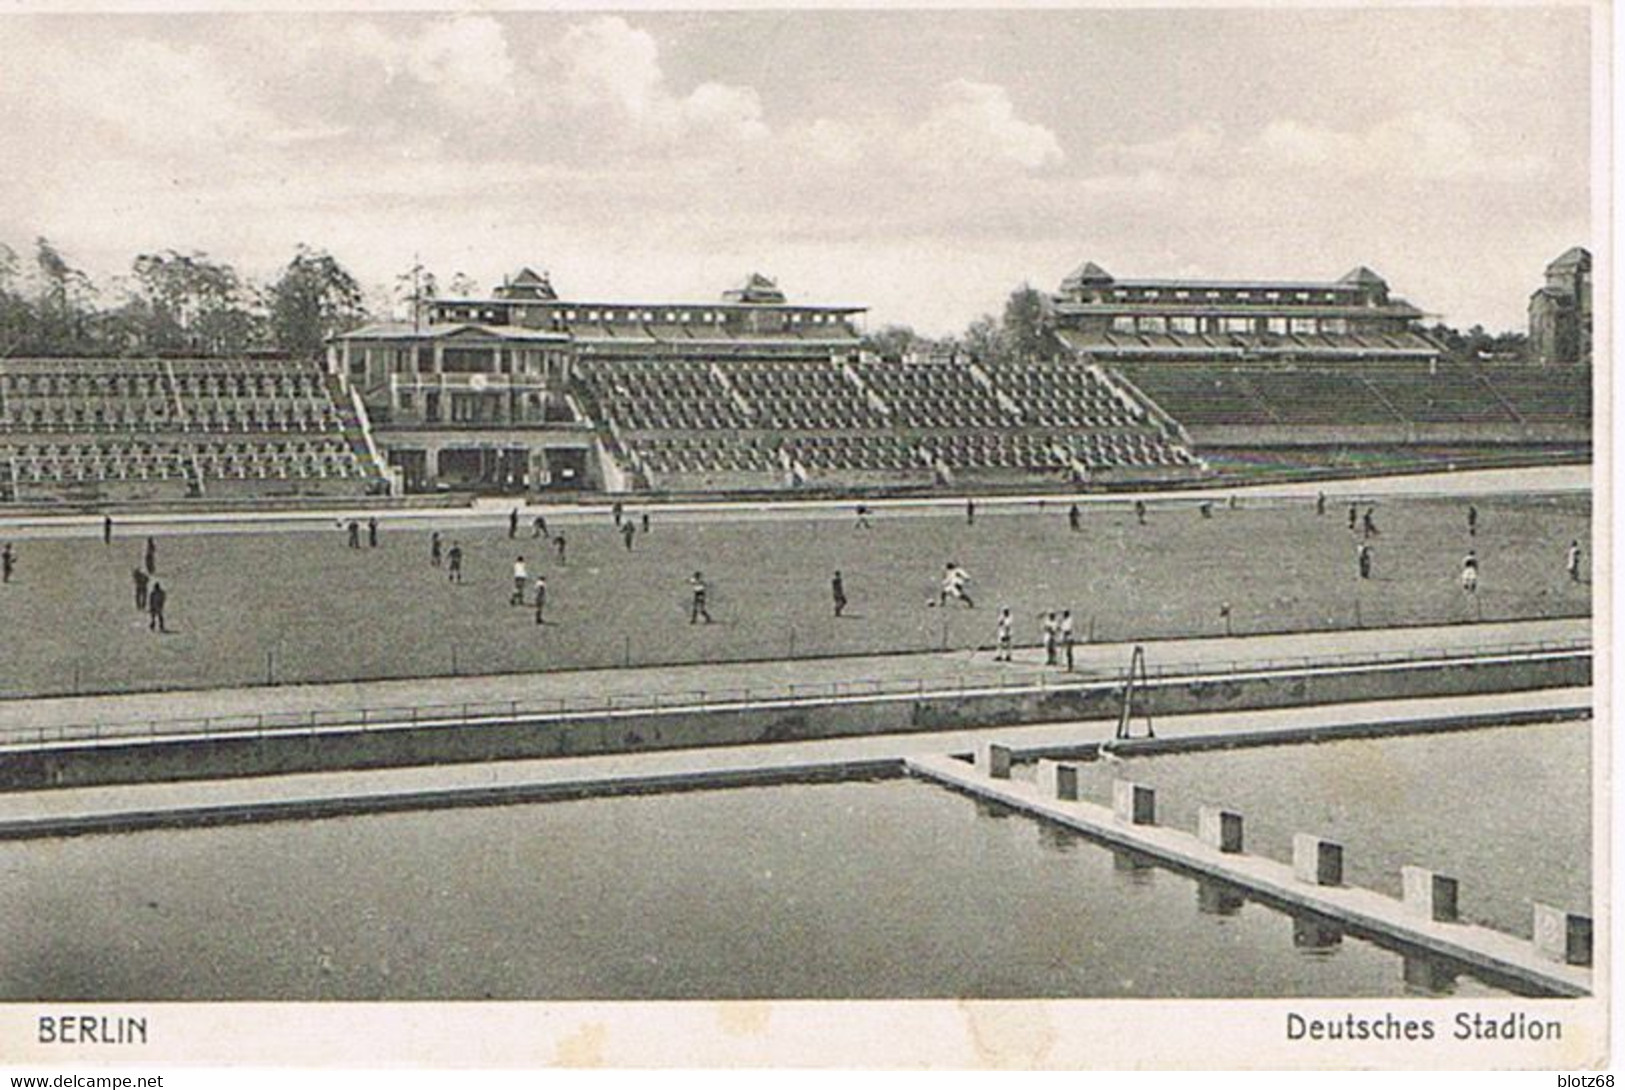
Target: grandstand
x,y
749,393
1156,381
124,429
1254,368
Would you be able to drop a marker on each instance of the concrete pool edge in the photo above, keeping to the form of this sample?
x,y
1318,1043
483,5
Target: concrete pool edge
x,y
83,811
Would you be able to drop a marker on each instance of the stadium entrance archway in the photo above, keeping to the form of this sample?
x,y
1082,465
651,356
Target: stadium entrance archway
x,y
566,468
414,467
489,469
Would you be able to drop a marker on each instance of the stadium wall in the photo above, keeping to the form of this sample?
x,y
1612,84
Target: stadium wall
x,y
222,756
1344,435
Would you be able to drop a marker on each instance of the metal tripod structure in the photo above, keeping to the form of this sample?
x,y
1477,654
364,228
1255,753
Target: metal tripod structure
x,y
1135,679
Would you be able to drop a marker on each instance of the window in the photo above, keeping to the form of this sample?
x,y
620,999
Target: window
x,y
1183,323
1123,323
1153,323
1302,325
1235,324
1275,325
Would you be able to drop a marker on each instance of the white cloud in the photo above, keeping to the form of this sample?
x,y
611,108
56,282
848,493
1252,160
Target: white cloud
x,y
976,124
1415,145
611,70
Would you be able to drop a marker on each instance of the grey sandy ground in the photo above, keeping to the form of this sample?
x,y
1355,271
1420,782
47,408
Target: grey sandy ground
x,y
701,765
494,511
579,688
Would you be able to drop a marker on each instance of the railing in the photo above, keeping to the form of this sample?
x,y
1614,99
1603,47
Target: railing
x,y
1018,678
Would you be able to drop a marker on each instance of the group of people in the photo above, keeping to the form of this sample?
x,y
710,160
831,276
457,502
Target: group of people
x,y
353,533
1059,632
150,595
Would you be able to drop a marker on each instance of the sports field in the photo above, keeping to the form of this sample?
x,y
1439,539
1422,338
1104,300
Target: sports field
x,y
245,606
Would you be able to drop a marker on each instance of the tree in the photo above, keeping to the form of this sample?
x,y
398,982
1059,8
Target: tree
x,y
193,304
464,286
416,287
892,341
63,308
16,315
982,338
1029,330
314,298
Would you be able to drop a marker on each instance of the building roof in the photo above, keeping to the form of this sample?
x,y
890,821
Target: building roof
x,y
527,284
1360,276
406,331
1087,273
755,288
1575,257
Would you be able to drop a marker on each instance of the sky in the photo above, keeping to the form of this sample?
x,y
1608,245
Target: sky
x,y
920,163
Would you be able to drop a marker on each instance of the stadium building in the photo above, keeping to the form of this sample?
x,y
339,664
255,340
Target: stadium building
x,y
1311,374
749,393
1560,312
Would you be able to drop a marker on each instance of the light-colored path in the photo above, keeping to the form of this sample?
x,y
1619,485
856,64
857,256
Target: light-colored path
x,y
640,686
494,511
674,769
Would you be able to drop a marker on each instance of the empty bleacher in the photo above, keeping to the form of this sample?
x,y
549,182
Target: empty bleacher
x,y
766,423
1542,395
151,428
935,395
659,394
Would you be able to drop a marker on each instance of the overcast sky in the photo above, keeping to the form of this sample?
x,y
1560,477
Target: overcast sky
x,y
920,163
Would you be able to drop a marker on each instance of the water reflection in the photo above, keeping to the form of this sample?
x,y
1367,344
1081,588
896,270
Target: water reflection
x,y
1216,898
1315,935
1136,868
1425,975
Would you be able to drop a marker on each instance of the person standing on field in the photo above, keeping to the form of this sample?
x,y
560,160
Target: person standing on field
x,y
454,562
837,590
1052,638
157,597
1003,636
698,590
140,578
434,549
513,523
541,597
1068,637
1571,562
520,578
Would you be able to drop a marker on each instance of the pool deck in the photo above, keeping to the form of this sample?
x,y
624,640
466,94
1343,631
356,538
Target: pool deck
x,y
1360,909
74,811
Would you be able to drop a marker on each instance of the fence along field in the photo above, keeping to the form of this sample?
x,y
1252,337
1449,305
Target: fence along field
x,y
299,606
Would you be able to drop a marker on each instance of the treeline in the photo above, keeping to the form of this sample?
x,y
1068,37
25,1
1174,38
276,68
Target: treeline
x,y
1479,344
1025,331
171,303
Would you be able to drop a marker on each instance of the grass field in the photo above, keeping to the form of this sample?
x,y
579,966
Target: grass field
x,y
301,606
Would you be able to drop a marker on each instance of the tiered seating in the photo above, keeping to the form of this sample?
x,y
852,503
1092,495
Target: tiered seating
x,y
701,454
153,427
824,455
935,395
1320,397
659,395
1049,453
1448,395
1066,395
804,396
1119,449
1544,395
1196,395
